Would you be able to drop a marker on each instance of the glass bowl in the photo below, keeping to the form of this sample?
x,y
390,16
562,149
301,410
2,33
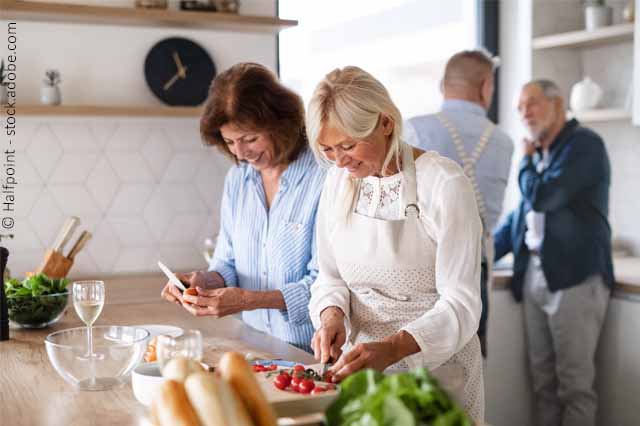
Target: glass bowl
x,y
118,349
37,311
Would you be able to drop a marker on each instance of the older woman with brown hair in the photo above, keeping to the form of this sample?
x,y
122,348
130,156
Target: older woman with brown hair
x,y
264,261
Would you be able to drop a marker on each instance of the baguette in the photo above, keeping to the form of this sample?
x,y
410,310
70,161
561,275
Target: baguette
x,y
237,372
215,402
180,368
172,406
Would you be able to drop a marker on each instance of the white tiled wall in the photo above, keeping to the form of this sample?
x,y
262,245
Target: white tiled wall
x,y
146,189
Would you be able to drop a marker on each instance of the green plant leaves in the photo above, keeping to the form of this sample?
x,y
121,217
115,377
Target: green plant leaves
x,y
369,398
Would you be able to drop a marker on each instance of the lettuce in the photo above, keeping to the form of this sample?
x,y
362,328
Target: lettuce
x,y
369,398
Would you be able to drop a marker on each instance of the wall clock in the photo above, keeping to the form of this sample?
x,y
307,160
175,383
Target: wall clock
x,y
179,72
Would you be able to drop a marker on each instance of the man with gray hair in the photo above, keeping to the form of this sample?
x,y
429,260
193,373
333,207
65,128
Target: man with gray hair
x,y
461,131
561,242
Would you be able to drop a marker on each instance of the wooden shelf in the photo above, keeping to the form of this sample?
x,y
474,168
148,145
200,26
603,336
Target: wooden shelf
x,y
601,115
101,15
107,111
610,34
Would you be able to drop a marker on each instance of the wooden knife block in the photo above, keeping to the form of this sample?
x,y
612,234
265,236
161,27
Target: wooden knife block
x,y
55,265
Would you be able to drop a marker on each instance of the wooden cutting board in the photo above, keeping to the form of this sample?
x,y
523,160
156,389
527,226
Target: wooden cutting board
x,y
292,404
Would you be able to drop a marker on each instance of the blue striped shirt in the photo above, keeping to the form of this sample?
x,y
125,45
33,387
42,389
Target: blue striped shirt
x,y
265,249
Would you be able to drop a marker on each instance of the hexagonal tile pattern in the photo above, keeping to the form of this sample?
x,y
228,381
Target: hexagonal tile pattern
x,y
130,199
184,257
44,151
46,219
28,173
105,247
210,179
75,136
26,196
185,135
103,184
131,231
128,136
184,228
73,167
23,261
158,214
74,200
102,130
182,167
130,167
157,151
144,190
137,259
24,134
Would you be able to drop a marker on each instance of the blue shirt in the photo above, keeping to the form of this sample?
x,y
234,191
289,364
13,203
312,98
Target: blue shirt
x,y
573,194
470,119
272,249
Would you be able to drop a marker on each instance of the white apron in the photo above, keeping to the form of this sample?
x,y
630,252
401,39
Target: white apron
x,y
389,268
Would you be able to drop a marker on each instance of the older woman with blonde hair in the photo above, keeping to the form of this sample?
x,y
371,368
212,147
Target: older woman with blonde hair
x,y
399,244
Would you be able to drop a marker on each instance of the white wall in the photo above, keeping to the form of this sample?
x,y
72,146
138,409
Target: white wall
x,y
146,188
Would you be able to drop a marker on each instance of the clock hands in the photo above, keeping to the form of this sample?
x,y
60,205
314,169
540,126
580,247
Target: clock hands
x,y
178,75
182,70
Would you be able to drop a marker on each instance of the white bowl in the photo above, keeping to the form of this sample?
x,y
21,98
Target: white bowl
x,y
145,381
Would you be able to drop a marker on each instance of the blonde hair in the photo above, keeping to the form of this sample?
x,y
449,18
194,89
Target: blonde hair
x,y
352,101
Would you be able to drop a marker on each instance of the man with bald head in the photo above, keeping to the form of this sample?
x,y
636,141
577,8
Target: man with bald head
x,y
561,242
461,131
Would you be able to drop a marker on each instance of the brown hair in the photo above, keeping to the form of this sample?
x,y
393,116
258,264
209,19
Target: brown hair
x,y
468,67
250,96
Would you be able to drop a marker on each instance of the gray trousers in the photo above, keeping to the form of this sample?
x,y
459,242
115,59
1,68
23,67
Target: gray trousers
x,y
562,336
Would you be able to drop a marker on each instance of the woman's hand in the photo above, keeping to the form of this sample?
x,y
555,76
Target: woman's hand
x,y
194,279
331,335
217,302
376,355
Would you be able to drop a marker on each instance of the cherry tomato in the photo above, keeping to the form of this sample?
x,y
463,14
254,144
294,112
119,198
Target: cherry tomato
x,y
295,380
306,386
318,389
282,381
259,368
328,377
299,367
272,367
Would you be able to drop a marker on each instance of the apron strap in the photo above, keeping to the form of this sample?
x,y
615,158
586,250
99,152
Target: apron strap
x,y
469,161
410,181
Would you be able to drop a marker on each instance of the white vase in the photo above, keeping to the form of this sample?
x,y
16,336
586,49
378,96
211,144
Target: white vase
x,y
585,95
3,94
50,95
596,16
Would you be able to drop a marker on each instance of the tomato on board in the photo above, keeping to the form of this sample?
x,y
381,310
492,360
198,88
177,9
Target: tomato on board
x,y
282,381
306,386
318,389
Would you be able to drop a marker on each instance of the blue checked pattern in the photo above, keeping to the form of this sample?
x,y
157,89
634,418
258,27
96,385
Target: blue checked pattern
x,y
272,249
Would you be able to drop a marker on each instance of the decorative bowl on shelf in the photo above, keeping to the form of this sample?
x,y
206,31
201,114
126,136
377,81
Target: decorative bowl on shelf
x,y
117,351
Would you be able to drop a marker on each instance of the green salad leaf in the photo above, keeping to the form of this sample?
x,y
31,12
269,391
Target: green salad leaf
x,y
369,398
35,300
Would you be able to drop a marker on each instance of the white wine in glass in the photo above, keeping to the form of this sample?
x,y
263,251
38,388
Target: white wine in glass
x,y
88,300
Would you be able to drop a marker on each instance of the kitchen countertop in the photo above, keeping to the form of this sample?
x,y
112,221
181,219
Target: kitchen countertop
x,y
626,271
31,392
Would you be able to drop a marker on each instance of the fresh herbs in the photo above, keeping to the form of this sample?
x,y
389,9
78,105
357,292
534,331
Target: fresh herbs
x,y
369,398
36,300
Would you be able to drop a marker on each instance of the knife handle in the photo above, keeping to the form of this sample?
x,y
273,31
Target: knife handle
x,y
65,233
79,245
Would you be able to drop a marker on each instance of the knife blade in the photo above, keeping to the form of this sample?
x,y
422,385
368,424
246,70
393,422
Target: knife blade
x,y
65,233
325,366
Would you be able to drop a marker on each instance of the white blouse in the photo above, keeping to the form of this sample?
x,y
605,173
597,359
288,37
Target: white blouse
x,y
449,214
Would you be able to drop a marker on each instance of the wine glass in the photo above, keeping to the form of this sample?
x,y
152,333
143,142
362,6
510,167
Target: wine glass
x,y
188,345
88,300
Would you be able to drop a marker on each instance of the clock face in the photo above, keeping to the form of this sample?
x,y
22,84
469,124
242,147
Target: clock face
x,y
179,72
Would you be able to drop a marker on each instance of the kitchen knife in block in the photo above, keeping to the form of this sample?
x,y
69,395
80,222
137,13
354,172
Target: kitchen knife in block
x,y
55,264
